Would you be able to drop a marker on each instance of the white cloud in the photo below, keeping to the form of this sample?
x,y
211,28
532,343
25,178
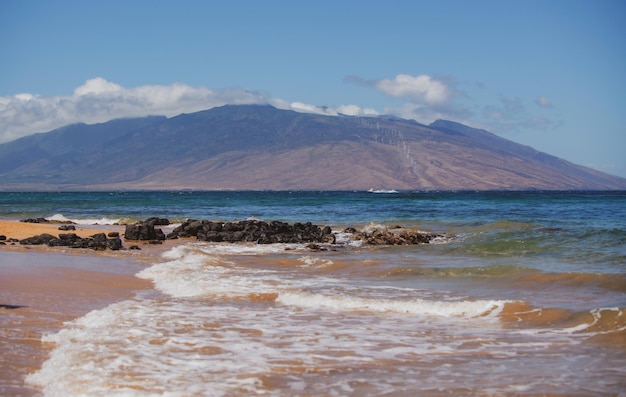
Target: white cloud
x,y
543,102
99,100
97,86
427,98
420,89
306,108
354,110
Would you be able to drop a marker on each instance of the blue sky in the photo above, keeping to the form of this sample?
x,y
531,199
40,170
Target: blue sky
x,y
549,74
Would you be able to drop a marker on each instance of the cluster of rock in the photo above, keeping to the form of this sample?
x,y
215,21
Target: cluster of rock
x,y
386,237
4,239
255,231
145,230
35,220
259,232
262,232
98,241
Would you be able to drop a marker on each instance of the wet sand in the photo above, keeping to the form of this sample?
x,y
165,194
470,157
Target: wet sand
x,y
41,288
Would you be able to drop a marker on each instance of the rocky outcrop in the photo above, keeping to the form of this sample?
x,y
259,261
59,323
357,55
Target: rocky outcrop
x,y
41,239
253,231
44,220
386,237
98,241
262,232
35,220
143,231
259,232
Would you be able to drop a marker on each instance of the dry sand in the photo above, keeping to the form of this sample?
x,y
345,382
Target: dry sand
x,y
22,230
42,287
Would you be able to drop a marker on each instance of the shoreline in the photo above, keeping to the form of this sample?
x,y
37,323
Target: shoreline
x,y
42,288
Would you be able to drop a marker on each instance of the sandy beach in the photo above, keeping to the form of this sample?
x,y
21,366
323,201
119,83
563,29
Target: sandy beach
x,y
21,230
43,287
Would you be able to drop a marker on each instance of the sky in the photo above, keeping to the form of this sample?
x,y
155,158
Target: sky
x,y
549,74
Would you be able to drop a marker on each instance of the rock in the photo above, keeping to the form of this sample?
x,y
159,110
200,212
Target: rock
x,y
315,247
134,247
256,231
65,240
67,227
69,236
35,220
114,244
113,234
154,221
143,231
3,237
404,237
40,239
98,241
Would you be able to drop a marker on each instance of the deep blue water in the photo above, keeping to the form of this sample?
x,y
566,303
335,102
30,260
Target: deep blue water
x,y
564,231
553,209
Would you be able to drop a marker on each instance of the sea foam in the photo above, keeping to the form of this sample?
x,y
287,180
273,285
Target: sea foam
x,y
481,308
84,221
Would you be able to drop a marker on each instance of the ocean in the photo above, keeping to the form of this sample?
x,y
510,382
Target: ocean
x,y
524,294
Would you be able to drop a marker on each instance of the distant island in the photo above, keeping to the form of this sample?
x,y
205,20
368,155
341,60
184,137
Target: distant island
x,y
259,147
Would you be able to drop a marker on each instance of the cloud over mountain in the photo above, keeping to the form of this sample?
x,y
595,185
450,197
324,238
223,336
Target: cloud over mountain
x,y
424,98
420,89
99,100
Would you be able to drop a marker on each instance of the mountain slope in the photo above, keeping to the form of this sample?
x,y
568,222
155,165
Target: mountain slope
x,y
260,147
63,148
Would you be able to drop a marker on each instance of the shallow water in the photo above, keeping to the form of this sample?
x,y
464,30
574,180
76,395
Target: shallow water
x,y
296,322
524,295
41,290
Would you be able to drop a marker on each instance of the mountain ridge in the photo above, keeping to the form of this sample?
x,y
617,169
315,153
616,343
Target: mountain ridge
x,y
259,147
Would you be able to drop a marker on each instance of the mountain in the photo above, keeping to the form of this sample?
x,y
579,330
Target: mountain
x,y
259,147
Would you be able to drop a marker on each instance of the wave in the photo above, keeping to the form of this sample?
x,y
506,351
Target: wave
x,y
85,221
480,308
204,271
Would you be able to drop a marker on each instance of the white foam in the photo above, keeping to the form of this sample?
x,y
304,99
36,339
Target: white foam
x,y
329,343
200,269
328,334
315,262
84,221
373,226
481,308
441,240
147,348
